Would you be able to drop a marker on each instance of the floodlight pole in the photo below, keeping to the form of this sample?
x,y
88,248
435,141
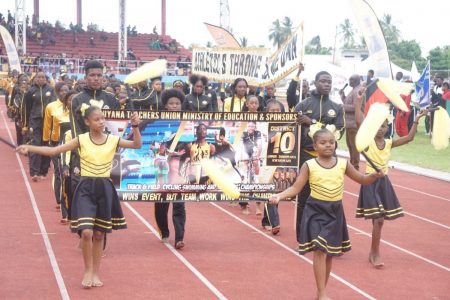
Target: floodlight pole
x,y
122,53
20,27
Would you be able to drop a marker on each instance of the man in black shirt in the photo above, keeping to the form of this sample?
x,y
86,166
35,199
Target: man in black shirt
x,y
318,110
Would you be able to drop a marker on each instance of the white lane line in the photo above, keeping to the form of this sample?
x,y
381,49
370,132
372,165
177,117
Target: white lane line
x,y
48,245
196,272
412,215
403,250
340,279
420,192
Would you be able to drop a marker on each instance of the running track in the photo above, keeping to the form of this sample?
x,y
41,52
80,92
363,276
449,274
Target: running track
x,y
227,254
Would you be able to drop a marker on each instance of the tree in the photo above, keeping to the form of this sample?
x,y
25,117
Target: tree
x,y
391,32
405,52
276,34
280,31
287,27
315,47
244,42
347,32
440,58
92,27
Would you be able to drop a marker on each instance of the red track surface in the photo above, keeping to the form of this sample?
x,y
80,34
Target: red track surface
x,y
228,254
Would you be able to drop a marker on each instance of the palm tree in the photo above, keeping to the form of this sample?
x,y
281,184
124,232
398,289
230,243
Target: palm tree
x,y
276,34
391,32
287,27
347,32
244,42
280,32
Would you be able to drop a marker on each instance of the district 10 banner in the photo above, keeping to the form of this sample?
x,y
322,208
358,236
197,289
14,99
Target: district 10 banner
x,y
258,152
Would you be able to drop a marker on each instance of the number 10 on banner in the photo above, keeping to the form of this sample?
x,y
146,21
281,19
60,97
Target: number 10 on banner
x,y
284,142
283,146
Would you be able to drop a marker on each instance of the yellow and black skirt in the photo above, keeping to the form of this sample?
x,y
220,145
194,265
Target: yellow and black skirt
x,y
96,206
324,228
378,200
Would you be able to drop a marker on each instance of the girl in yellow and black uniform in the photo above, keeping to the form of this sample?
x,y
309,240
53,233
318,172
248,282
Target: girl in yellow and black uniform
x,y
323,228
378,200
96,207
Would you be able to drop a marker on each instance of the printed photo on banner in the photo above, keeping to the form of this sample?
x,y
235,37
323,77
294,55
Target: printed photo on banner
x,y
259,157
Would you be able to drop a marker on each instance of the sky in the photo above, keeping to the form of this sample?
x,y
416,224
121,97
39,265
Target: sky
x,y
427,23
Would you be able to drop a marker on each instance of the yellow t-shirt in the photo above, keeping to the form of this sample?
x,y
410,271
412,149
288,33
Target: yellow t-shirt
x,y
54,113
379,157
96,160
327,184
238,104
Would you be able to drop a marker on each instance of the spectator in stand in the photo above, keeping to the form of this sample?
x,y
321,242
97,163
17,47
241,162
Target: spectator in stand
x,y
131,54
91,41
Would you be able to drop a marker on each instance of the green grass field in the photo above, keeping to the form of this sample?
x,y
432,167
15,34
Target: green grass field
x,y
419,152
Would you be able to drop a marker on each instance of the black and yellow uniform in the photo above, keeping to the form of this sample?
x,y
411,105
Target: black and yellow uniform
x,y
19,116
378,200
11,89
323,224
64,164
36,100
95,203
99,98
146,99
319,108
211,93
197,102
50,135
234,104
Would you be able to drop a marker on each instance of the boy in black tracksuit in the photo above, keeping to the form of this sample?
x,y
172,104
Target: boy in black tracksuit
x,y
318,108
36,99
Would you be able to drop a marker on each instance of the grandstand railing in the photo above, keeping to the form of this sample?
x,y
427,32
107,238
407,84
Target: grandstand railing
x,y
72,65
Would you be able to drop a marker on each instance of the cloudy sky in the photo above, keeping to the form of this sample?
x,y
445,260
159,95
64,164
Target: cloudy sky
x,y
427,23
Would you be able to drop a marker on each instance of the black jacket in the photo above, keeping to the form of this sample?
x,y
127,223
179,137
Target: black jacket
x,y
146,99
196,102
321,109
36,99
292,94
98,98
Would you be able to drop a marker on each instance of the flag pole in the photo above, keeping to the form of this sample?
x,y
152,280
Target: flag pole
x,y
300,81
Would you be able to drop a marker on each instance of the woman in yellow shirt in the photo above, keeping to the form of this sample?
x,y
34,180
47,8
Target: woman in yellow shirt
x,y
236,102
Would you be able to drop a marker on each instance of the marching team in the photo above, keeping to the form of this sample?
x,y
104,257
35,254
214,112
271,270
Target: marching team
x,y
66,123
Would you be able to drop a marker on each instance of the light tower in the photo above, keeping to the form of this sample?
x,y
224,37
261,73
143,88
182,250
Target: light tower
x,y
122,53
224,15
20,27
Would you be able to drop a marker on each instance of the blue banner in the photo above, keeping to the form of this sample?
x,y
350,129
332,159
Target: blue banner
x,y
423,87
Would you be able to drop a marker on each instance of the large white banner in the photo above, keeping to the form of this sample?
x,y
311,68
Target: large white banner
x,y
373,36
13,57
256,65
